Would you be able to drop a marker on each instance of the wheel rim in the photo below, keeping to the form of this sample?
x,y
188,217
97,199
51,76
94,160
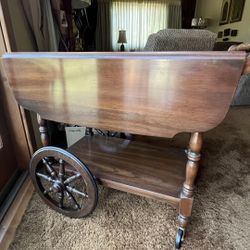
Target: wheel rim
x,y
63,182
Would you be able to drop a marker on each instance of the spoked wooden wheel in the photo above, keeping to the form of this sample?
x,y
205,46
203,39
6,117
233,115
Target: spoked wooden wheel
x,y
64,182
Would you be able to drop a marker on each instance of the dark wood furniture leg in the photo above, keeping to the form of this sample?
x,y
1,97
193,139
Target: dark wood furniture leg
x,y
43,128
186,196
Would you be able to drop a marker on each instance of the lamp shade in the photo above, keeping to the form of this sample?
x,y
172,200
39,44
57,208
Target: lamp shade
x,y
80,4
195,22
122,36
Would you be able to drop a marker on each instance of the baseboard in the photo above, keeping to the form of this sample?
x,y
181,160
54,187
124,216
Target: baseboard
x,y
15,213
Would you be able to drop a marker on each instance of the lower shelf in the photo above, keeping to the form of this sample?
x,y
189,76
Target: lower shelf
x,y
134,167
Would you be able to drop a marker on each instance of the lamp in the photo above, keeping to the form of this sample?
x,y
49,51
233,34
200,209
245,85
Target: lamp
x,y
194,22
122,39
199,23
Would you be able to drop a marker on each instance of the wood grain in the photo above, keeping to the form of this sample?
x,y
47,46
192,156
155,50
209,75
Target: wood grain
x,y
157,94
133,166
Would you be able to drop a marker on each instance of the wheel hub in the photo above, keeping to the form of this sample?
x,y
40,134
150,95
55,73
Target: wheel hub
x,y
58,186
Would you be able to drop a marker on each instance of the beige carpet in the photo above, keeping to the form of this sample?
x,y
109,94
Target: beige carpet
x,y
221,213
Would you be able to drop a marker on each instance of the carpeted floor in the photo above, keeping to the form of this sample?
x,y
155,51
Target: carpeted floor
x,y
221,212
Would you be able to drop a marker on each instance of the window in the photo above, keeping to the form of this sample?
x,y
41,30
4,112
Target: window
x,y
139,19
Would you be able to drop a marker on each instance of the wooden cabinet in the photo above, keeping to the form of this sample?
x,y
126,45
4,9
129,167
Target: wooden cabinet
x,y
16,120
8,162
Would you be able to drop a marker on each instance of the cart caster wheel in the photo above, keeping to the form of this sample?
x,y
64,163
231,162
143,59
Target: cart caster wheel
x,y
63,182
179,238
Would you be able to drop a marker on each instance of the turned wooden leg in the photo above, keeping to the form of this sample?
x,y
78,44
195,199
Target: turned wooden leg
x,y
186,196
193,155
43,131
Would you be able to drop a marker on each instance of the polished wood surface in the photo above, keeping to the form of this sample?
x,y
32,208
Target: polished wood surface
x,y
132,166
158,94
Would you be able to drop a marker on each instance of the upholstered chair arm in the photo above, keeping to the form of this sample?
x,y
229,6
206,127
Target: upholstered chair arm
x,y
240,47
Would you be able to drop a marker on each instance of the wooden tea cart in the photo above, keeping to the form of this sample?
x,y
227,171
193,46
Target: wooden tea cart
x,y
153,94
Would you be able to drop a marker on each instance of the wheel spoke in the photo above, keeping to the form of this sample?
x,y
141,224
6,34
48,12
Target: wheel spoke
x,y
61,170
61,197
49,167
45,177
100,132
72,198
72,178
73,190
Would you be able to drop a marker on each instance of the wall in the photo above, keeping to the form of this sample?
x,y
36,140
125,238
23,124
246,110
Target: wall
x,y
211,9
